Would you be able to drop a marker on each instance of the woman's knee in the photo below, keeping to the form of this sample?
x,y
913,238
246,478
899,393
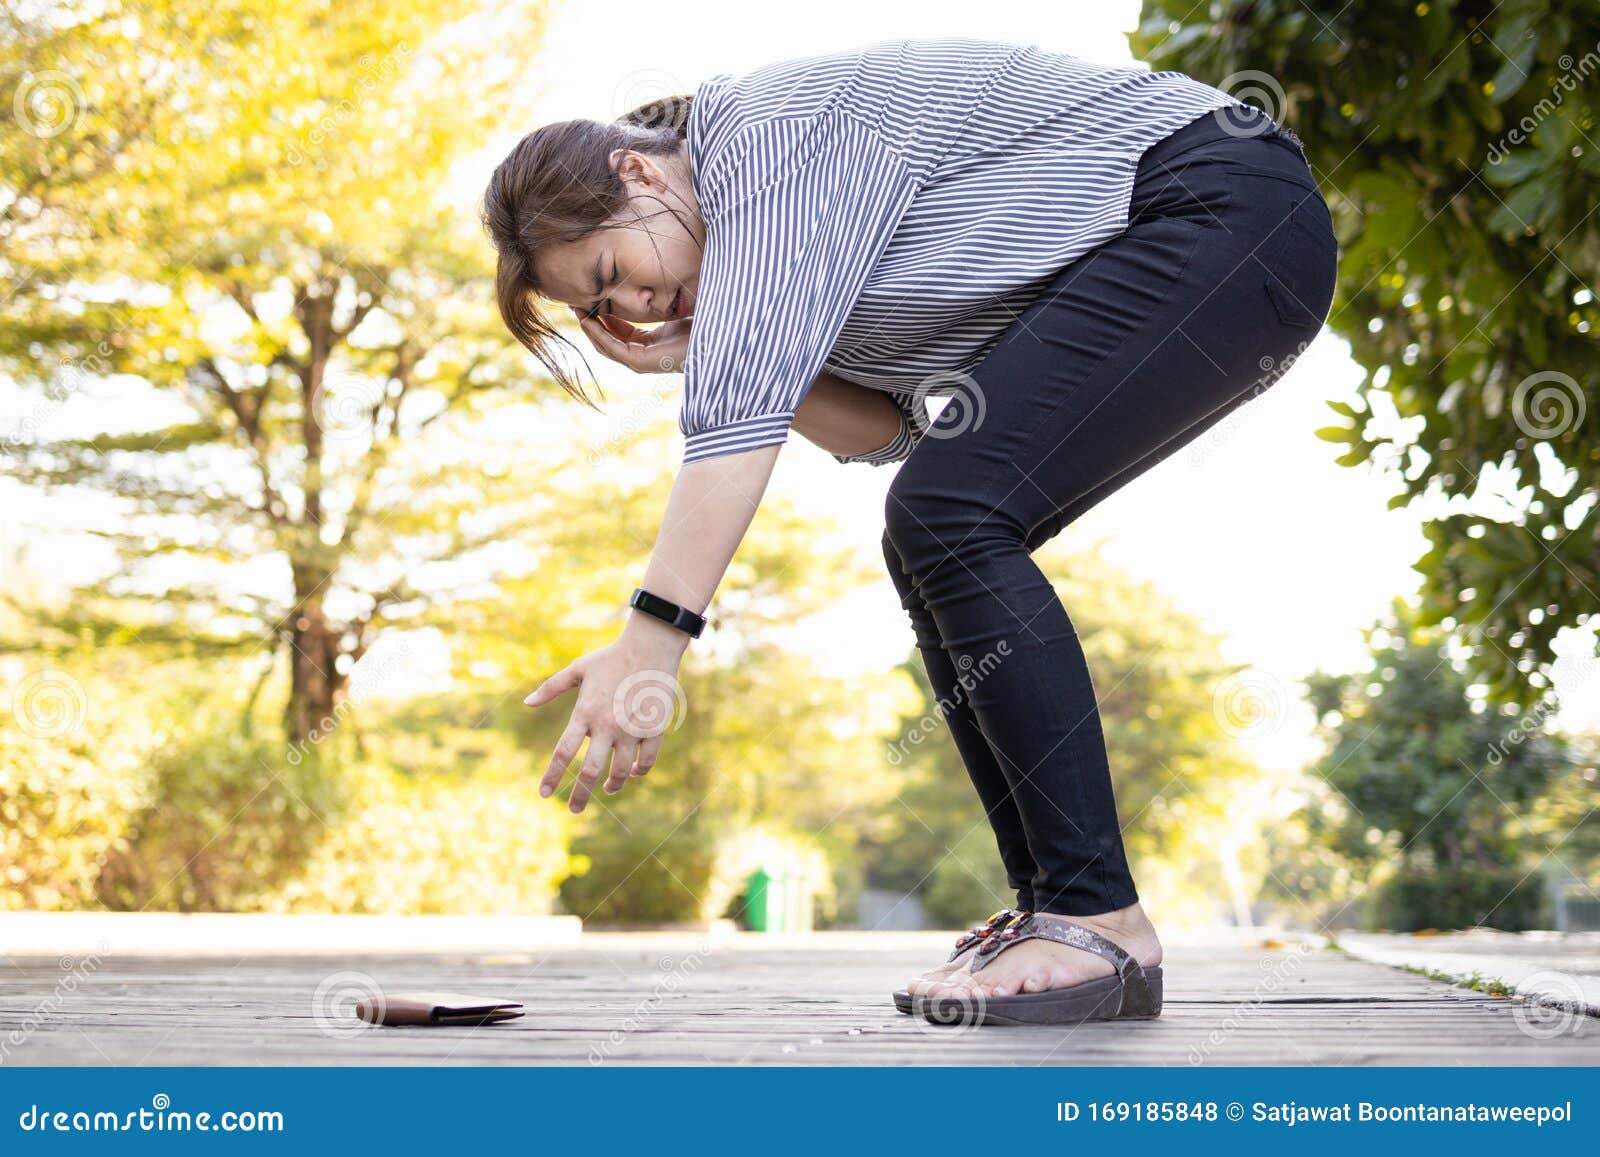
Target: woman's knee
x,y
926,523
911,520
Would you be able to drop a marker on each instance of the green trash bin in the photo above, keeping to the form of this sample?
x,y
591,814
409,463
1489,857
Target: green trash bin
x,y
765,907
778,901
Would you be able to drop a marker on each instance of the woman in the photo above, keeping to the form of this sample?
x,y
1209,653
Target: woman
x,y
1094,264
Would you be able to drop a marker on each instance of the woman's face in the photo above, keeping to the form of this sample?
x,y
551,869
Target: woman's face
x,y
645,266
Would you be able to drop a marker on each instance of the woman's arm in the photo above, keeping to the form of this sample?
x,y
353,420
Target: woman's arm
x,y
626,687
845,418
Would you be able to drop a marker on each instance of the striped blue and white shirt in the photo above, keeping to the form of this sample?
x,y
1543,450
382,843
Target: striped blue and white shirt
x,y
885,214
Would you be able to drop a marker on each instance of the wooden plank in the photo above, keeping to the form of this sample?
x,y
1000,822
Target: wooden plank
x,y
642,1001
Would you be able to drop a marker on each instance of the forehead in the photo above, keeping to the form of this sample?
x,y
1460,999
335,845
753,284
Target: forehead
x,y
566,271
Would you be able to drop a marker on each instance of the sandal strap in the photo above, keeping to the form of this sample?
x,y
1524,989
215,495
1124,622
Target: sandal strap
x,y
1025,926
981,931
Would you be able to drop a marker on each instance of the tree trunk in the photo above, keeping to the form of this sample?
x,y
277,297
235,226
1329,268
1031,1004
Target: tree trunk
x,y
315,683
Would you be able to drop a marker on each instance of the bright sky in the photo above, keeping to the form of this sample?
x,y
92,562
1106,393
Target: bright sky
x,y
1252,528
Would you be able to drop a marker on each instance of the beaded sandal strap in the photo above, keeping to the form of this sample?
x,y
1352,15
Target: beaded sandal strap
x,y
1025,926
981,931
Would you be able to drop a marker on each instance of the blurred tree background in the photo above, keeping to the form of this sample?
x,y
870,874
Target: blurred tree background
x,y
316,523
1190,803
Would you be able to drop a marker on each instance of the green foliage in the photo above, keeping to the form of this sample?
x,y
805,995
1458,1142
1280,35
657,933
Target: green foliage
x,y
652,865
1455,140
130,785
72,756
228,819
1434,789
238,242
968,881
1510,899
438,843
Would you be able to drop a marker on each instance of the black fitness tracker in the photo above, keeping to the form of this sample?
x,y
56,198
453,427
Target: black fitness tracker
x,y
668,612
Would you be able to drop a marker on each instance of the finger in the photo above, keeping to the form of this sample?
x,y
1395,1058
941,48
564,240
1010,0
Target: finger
x,y
622,760
595,764
624,330
560,683
566,751
624,353
648,750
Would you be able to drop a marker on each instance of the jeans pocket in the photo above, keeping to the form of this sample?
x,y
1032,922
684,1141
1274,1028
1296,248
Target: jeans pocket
x,y
1301,259
1299,179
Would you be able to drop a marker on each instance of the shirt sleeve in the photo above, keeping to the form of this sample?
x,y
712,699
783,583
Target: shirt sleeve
x,y
914,424
796,228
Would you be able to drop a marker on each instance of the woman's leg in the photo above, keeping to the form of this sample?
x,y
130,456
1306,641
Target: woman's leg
x,y
1000,809
1226,268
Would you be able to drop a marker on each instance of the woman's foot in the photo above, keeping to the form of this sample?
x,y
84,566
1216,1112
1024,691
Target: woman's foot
x,y
976,936
1039,965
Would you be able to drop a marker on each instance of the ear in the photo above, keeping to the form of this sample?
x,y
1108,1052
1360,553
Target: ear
x,y
632,166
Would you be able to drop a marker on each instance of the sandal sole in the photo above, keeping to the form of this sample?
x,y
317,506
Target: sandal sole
x,y
1101,999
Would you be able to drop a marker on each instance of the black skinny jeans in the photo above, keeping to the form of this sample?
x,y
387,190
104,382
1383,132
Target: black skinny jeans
x,y
1223,276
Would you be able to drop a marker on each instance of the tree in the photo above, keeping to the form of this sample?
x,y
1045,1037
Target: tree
x,y
236,262
1434,785
1456,143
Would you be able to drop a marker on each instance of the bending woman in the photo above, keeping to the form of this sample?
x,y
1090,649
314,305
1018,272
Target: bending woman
x,y
1093,265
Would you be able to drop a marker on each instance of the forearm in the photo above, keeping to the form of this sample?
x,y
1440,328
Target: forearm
x,y
708,512
844,418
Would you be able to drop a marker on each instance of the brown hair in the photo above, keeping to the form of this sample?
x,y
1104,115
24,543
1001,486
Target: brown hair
x,y
557,186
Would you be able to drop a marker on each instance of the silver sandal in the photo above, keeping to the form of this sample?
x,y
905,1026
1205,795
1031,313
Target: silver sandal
x,y
905,1002
1133,992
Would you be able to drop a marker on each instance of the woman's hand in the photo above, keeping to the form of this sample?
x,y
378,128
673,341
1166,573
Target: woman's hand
x,y
647,351
628,696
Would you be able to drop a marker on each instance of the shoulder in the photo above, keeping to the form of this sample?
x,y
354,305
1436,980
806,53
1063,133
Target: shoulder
x,y
746,129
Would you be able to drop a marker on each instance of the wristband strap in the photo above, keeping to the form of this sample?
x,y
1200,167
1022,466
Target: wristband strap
x,y
670,613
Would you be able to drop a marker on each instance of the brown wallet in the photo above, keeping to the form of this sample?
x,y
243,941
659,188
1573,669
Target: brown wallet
x,y
435,1008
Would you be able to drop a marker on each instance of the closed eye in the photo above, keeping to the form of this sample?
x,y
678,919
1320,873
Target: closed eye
x,y
595,312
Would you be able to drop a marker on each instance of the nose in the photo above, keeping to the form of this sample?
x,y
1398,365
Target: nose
x,y
643,303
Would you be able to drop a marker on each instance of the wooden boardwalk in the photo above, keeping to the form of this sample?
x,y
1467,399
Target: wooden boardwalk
x,y
675,999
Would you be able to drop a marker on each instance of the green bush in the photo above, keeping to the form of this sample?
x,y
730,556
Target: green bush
x,y
1508,899
968,884
485,843
228,819
66,796
642,867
